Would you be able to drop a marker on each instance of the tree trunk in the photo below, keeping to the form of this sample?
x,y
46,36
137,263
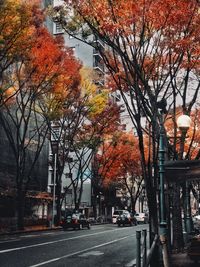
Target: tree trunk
x,y
153,222
94,206
20,209
58,203
77,206
133,204
152,202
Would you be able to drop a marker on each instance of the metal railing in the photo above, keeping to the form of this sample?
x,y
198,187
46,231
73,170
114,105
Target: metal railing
x,y
151,251
142,257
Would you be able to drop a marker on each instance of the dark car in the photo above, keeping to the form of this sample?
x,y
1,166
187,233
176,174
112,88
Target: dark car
x,y
116,214
126,219
75,221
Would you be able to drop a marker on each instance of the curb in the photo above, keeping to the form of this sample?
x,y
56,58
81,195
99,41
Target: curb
x,y
30,231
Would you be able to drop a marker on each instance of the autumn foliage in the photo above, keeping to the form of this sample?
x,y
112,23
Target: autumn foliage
x,y
151,51
38,74
119,157
42,61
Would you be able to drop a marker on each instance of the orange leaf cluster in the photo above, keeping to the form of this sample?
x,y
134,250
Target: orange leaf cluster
x,y
51,61
39,61
171,25
120,158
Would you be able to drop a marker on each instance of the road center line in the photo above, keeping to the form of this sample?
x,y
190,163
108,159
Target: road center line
x,y
81,251
56,241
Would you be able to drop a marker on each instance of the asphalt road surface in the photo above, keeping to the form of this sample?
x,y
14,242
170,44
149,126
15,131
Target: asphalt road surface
x,y
102,245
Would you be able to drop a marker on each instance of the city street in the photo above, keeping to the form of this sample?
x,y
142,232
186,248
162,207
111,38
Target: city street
x,y
102,245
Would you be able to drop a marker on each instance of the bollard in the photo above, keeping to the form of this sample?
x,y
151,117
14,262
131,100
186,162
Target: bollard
x,y
138,252
144,254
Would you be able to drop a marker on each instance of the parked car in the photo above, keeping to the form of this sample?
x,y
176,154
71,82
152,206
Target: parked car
x,y
126,218
142,217
92,219
116,214
196,218
75,221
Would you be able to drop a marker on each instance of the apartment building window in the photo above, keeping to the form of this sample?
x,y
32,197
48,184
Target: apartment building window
x,y
118,97
68,175
69,159
58,28
135,132
98,63
73,49
57,2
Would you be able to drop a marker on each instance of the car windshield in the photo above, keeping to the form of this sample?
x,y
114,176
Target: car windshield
x,y
117,212
73,216
140,214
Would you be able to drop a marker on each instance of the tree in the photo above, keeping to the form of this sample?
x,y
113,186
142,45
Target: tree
x,y
32,74
119,164
15,37
98,116
61,108
76,111
149,57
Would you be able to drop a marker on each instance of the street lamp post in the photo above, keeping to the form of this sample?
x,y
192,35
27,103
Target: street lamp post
x,y
183,123
163,223
198,198
161,175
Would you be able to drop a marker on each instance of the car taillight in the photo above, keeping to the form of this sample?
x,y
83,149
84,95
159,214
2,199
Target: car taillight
x,y
74,220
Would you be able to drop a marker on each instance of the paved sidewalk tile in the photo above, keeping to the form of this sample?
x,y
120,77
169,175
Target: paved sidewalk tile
x,y
182,260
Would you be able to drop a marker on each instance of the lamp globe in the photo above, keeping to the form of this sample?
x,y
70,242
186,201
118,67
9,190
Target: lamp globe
x,y
184,122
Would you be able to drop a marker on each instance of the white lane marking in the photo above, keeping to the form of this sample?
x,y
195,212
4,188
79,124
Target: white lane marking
x,y
81,251
28,236
56,241
47,234
92,253
96,227
47,262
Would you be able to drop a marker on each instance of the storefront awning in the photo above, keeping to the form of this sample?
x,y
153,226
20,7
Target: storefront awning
x,y
182,170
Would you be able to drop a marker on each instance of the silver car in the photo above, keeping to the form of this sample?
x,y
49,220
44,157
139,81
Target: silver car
x,y
141,217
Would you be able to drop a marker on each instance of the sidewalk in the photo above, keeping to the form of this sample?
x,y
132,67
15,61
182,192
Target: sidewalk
x,y
35,228
183,260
